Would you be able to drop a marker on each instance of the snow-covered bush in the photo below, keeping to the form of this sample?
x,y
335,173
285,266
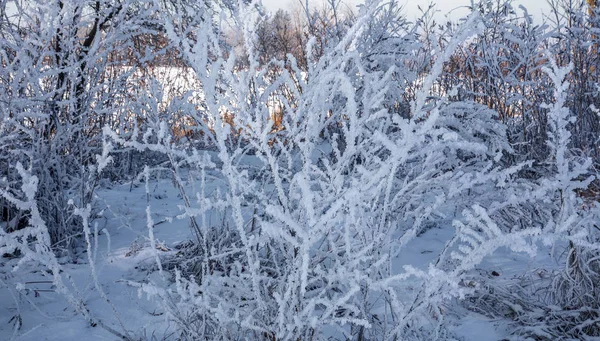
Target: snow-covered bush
x,y
315,219
563,303
63,80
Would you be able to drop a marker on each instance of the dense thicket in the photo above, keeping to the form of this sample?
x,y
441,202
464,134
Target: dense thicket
x,y
339,139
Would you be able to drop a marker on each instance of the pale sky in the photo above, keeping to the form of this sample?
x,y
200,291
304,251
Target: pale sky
x,y
451,7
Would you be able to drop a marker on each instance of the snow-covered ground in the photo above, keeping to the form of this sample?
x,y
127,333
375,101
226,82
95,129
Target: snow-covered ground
x,y
123,253
120,252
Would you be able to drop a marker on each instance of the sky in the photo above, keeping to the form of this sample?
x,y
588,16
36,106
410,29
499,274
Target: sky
x,y
451,7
